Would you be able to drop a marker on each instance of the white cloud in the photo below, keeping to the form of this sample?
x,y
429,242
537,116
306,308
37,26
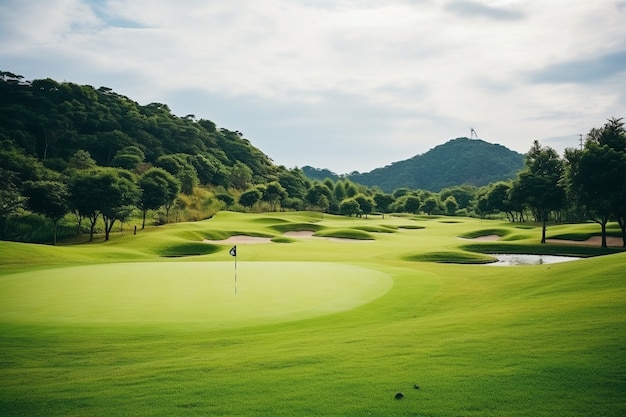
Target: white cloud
x,y
375,81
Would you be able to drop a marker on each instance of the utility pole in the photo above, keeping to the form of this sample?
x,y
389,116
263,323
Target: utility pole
x,y
581,141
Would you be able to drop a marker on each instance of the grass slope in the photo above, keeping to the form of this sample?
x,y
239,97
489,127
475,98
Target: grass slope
x,y
540,340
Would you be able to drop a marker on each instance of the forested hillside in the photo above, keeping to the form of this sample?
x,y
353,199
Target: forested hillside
x,y
76,160
51,121
459,161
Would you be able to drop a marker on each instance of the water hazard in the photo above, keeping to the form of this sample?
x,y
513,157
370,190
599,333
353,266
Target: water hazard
x,y
505,259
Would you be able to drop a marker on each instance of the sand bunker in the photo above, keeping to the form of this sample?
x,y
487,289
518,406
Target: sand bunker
x,y
305,234
485,238
301,233
611,241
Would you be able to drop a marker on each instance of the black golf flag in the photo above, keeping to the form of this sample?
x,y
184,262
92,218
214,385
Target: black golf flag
x,y
233,252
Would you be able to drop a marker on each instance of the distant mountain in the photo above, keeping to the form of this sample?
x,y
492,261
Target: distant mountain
x,y
456,162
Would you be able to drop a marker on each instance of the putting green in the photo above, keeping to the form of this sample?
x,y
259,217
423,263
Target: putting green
x,y
187,293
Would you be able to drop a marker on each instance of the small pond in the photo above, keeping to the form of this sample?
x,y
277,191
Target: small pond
x,y
505,259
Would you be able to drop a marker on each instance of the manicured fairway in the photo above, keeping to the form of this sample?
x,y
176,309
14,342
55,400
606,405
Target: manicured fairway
x,y
187,292
334,324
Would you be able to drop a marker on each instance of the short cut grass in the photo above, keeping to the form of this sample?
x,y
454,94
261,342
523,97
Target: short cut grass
x,y
150,325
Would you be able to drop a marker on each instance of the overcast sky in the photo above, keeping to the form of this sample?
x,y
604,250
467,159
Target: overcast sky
x,y
348,85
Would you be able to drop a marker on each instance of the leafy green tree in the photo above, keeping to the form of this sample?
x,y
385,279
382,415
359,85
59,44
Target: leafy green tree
x,y
596,180
294,183
349,207
540,183
339,191
366,204
412,204
107,192
226,199
313,194
429,206
464,195
323,203
383,202
128,158
158,188
451,205
250,197
81,160
188,180
11,200
49,198
274,193
612,134
120,198
210,170
351,189
126,161
86,189
173,164
498,199
400,192
241,176
482,204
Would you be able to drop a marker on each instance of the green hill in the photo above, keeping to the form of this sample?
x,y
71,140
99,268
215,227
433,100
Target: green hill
x,y
459,161
51,121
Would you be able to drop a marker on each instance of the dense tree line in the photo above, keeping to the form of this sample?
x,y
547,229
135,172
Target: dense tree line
x,y
586,184
91,155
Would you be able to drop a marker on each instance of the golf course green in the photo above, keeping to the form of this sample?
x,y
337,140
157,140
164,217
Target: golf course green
x,y
194,292
318,315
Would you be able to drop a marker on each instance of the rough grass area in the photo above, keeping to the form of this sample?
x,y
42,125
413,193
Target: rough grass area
x,y
355,234
486,232
318,327
450,257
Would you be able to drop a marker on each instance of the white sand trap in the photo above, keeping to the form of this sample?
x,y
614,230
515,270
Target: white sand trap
x,y
187,294
611,241
241,239
300,233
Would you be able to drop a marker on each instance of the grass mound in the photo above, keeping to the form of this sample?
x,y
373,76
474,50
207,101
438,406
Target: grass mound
x,y
376,229
188,249
346,234
296,227
485,232
450,257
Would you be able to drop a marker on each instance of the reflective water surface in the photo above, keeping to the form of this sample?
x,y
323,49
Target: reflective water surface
x,y
505,259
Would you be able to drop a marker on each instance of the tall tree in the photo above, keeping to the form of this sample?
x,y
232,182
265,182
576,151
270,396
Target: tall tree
x,y
366,204
241,176
596,175
49,198
158,188
540,183
274,193
250,197
11,200
383,201
120,198
86,189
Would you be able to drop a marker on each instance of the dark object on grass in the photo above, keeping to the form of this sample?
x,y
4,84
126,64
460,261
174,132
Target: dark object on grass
x,y
399,396
416,386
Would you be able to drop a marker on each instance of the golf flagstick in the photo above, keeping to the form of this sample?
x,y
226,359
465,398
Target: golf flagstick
x,y
233,252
